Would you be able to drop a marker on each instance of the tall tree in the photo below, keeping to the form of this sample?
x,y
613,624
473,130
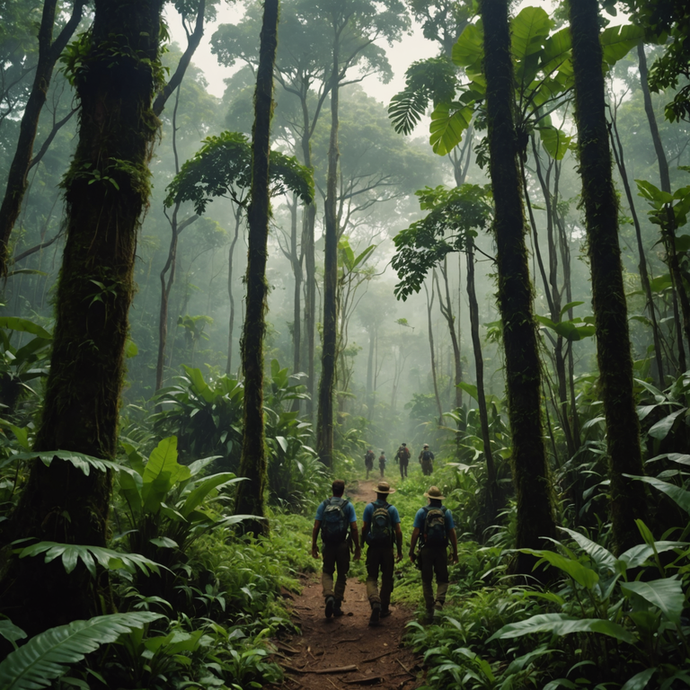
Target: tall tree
x,y
116,68
608,294
535,513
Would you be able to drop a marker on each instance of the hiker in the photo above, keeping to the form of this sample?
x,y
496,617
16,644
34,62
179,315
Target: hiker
x,y
369,461
334,517
426,458
382,462
434,528
403,456
380,530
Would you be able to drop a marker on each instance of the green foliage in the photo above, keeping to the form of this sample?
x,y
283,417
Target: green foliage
x,y
48,655
455,215
223,167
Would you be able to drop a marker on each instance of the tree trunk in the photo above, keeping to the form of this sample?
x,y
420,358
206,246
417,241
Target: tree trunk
x,y
491,479
250,494
447,312
535,514
430,332
608,297
106,189
48,53
324,428
231,296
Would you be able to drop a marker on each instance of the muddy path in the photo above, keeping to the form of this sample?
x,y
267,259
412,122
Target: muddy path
x,y
345,652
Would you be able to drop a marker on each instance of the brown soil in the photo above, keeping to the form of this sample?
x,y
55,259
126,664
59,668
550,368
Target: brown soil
x,y
345,652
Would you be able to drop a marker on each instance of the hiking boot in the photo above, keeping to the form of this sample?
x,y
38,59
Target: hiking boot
x,y
330,606
429,616
385,613
337,611
375,615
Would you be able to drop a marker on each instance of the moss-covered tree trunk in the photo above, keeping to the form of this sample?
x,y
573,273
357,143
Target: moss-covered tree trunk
x,y
608,295
324,425
535,514
250,494
106,189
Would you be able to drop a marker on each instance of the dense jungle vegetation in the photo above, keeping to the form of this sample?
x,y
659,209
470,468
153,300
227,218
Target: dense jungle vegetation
x,y
211,306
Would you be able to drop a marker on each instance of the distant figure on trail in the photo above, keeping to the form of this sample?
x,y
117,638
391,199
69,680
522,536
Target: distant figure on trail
x,y
434,528
380,530
334,518
403,457
426,458
382,462
369,461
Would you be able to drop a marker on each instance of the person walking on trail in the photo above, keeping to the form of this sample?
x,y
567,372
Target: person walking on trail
x,y
403,457
337,522
382,462
426,458
369,461
381,530
433,527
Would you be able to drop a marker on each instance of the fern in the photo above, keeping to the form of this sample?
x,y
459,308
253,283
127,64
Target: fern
x,y
90,555
48,655
81,461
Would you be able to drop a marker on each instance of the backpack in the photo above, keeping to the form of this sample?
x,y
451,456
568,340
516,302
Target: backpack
x,y
427,456
381,527
405,453
334,524
435,526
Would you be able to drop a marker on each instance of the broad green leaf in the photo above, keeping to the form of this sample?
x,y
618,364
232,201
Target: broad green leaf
x,y
675,493
556,142
14,323
680,458
131,485
11,632
666,594
557,54
559,624
598,553
81,461
528,32
570,305
469,389
584,576
653,194
22,436
468,51
640,554
199,385
200,492
618,41
161,474
48,655
448,123
639,680
661,429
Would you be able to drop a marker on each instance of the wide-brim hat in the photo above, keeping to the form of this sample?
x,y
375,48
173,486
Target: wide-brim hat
x,y
384,488
435,493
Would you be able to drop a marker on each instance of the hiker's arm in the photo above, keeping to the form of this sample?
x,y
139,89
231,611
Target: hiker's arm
x,y
314,535
398,541
365,531
454,542
355,539
413,543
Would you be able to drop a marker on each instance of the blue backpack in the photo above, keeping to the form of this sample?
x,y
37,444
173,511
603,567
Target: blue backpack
x,y
334,524
434,533
381,527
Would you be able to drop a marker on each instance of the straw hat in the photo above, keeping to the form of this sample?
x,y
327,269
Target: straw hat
x,y
435,493
385,488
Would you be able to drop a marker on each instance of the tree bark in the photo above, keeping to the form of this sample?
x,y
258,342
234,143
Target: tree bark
x,y
535,513
608,297
250,494
106,189
324,428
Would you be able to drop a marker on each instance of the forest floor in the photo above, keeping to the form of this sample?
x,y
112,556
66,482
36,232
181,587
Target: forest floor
x,y
345,652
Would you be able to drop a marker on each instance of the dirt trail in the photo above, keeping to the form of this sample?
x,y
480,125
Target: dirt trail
x,y
374,656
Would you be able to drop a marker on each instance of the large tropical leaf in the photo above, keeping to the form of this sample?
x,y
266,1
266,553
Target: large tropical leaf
x,y
641,553
203,489
675,493
15,323
555,141
528,31
598,553
71,554
559,624
448,123
48,655
618,41
666,594
468,51
580,573
81,461
662,428
161,474
557,55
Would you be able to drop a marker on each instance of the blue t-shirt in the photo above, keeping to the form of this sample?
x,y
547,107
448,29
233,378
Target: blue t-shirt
x,y
420,518
348,508
369,513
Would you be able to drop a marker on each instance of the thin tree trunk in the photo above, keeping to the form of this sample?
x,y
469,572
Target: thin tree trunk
x,y
430,331
231,295
48,54
324,431
447,312
250,494
60,502
628,501
535,513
